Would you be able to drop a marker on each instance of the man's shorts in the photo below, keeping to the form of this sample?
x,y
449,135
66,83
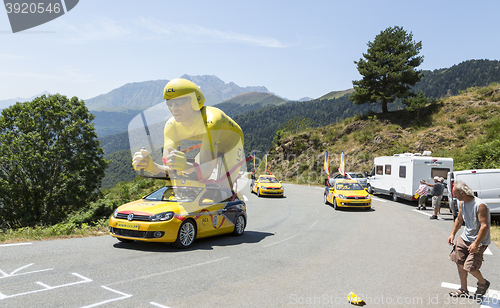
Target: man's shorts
x,y
421,200
470,261
436,201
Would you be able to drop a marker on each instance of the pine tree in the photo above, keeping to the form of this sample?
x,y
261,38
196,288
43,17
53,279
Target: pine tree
x,y
388,68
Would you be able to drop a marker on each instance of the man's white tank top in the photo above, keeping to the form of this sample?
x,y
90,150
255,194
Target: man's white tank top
x,y
472,224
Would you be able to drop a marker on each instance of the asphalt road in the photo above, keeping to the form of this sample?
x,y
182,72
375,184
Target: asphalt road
x,y
296,252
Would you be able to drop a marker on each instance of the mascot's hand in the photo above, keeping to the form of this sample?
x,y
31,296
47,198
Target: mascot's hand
x,y
176,160
143,161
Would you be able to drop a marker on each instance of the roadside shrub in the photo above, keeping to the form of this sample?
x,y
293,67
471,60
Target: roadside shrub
x,y
461,119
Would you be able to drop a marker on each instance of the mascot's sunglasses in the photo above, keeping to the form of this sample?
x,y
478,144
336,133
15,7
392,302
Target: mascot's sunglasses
x,y
180,101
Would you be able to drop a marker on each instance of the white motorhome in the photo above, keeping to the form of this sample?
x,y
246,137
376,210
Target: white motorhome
x,y
399,175
484,182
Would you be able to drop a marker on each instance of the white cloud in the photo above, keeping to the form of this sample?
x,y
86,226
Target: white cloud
x,y
101,29
105,29
195,31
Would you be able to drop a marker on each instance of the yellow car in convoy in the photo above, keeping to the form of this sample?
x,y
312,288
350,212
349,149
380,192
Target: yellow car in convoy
x,y
268,185
347,194
179,213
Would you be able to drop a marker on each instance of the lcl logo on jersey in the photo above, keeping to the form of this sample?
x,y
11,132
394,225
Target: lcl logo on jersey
x,y
26,14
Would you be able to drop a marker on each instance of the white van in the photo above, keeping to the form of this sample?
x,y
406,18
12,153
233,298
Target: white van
x,y
399,176
484,182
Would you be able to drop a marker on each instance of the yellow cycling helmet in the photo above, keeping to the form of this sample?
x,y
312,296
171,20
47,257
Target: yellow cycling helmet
x,y
179,87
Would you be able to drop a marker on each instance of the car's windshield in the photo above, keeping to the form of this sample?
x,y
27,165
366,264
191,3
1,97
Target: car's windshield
x,y
348,186
174,194
356,175
268,180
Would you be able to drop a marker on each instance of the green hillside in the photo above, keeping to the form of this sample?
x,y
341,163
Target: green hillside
x,y
249,101
449,81
337,94
465,127
259,126
119,170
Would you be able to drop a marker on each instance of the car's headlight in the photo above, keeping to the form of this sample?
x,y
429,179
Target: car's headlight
x,y
162,216
115,213
368,197
342,197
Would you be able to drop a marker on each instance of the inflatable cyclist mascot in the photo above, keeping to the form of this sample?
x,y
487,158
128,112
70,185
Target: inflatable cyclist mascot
x,y
218,138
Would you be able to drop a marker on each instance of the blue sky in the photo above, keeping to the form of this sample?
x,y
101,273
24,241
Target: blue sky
x,y
294,48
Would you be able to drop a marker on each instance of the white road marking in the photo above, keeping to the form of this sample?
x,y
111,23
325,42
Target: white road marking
x,y
245,198
167,272
490,299
15,244
5,275
46,287
314,223
421,212
124,296
158,305
282,240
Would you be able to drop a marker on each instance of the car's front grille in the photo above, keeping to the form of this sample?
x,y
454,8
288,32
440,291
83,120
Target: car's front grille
x,y
131,233
136,217
354,204
354,198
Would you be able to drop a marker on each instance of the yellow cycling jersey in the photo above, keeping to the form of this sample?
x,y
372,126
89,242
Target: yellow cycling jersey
x,y
217,132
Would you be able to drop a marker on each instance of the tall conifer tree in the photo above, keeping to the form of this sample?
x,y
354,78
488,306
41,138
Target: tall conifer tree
x,y
388,68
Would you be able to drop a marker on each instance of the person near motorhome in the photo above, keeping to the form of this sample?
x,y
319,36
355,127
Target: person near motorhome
x,y
437,195
422,195
216,135
468,250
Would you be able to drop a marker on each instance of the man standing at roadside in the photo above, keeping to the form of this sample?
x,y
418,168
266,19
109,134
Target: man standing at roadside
x,y
437,195
470,246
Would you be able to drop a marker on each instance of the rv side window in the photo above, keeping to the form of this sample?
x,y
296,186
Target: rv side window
x,y
441,172
402,171
380,170
387,169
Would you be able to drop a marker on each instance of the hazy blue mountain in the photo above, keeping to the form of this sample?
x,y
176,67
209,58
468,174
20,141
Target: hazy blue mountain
x,y
8,102
149,93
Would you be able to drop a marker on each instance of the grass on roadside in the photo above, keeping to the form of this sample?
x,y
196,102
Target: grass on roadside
x,y
58,231
495,232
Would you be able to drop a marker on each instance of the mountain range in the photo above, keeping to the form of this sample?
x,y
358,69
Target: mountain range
x,y
8,102
149,93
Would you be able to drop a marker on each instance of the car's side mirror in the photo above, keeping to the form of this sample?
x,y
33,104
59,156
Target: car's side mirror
x,y
207,201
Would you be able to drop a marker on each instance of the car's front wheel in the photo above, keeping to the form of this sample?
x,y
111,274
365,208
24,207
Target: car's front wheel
x,y
258,192
186,234
239,226
369,189
335,206
394,197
